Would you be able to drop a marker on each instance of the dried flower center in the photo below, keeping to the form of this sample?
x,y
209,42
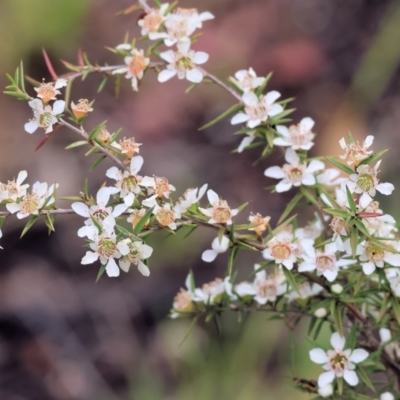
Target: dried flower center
x,y
30,203
325,262
137,64
374,253
165,217
153,21
281,251
47,92
209,288
129,146
162,187
106,247
183,301
136,216
221,212
338,361
338,224
11,187
104,135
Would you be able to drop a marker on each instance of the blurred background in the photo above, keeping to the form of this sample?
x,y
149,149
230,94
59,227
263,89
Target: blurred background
x,y
63,336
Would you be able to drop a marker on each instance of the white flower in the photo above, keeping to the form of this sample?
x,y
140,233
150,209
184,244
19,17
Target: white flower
x,y
49,91
33,202
13,190
320,312
217,247
246,141
392,348
128,182
395,284
138,251
268,287
306,290
219,212
157,185
260,223
183,302
366,182
330,177
136,65
153,19
298,137
44,116
325,391
243,290
356,152
247,80
373,256
99,211
325,262
190,197
338,362
180,25
294,173
183,64
258,109
106,247
281,249
166,216
211,293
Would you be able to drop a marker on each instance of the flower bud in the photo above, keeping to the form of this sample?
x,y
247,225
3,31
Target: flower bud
x,y
321,312
387,396
336,288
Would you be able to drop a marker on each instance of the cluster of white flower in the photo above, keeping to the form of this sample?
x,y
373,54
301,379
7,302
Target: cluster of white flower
x,y
174,27
14,195
45,116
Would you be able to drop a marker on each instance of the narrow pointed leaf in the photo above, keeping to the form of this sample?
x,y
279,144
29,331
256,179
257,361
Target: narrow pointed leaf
x,y
339,165
232,110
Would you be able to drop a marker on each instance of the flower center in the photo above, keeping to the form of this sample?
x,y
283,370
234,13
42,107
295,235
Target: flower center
x,y
267,289
152,21
183,301
338,224
221,212
137,64
45,119
106,247
30,203
365,182
259,111
338,361
281,251
129,183
162,186
295,174
184,63
297,137
100,214
325,262
165,217
374,253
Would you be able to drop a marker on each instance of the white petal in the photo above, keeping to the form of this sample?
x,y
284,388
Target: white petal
x,y
220,247
245,142
272,96
350,377
124,265
112,268
129,199
274,172
283,186
143,269
212,196
318,356
330,275
239,118
103,196
113,173
306,124
200,57
123,248
31,126
365,200
209,255
385,188
136,164
368,268
283,130
205,16
194,75
306,266
291,156
337,341
145,251
385,334
124,46
81,209
358,355
275,109
13,207
58,107
368,141
326,378
281,142
315,165
250,99
21,177
120,208
308,179
393,259
165,75
60,83
168,56
89,258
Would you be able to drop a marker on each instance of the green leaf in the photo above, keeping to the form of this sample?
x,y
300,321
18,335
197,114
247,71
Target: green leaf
x,y
49,222
350,200
85,187
71,198
243,206
290,278
292,204
336,313
232,258
142,222
264,84
102,84
353,241
396,308
192,228
374,157
190,88
282,225
123,230
76,144
2,219
383,309
338,213
22,77
97,162
232,110
191,326
309,196
339,165
29,225
364,377
95,131
351,338
361,227
101,272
